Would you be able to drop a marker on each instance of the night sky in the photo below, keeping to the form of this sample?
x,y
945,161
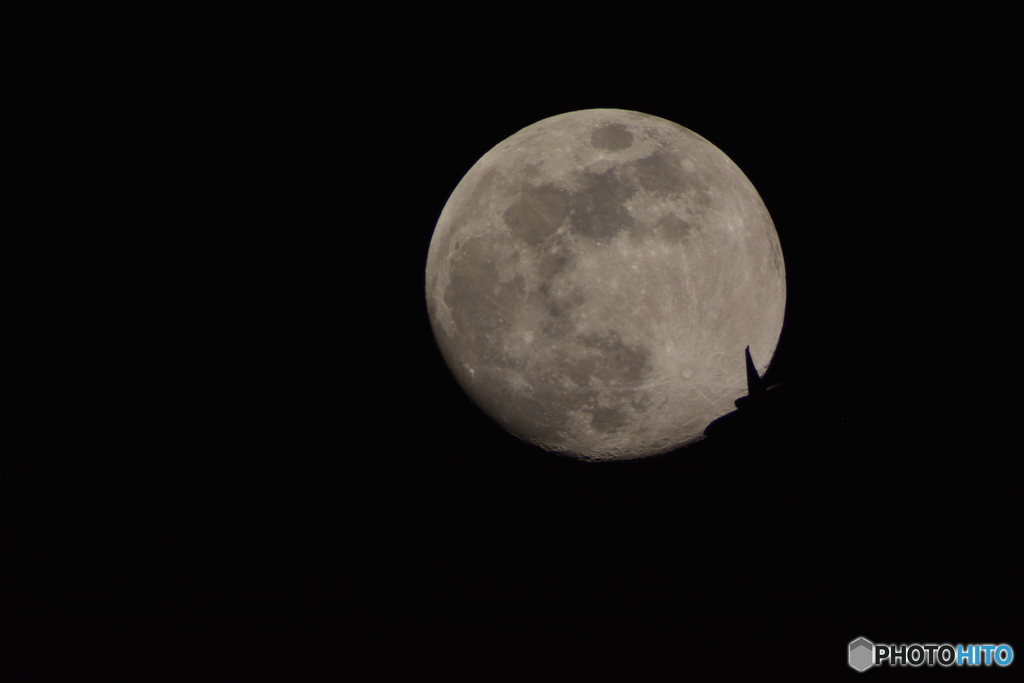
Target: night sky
x,y
891,432
311,461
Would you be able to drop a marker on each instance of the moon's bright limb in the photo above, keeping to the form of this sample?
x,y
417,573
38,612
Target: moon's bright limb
x,y
594,279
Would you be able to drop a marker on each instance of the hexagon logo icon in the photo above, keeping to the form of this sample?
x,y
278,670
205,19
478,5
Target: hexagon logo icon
x,y
862,654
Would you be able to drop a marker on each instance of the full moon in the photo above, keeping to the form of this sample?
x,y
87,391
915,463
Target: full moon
x,y
594,279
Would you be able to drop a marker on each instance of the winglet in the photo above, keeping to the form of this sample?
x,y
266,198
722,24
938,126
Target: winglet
x,y
754,384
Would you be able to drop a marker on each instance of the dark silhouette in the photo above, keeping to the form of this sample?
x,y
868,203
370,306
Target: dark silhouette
x,y
755,387
754,410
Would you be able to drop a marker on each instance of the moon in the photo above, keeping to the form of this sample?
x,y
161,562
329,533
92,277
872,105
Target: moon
x,y
594,279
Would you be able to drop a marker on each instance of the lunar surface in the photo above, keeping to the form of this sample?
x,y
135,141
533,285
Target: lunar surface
x,y
594,279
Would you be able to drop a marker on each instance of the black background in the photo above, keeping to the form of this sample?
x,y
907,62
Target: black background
x,y
285,458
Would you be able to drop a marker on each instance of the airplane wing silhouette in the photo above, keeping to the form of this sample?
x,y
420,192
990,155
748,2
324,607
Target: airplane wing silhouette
x,y
754,406
755,387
